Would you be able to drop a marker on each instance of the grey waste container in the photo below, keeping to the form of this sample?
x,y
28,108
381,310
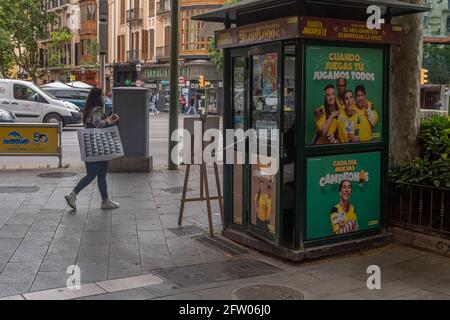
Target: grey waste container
x,y
131,104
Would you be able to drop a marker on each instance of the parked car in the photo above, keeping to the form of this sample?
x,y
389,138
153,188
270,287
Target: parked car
x,y
7,116
31,104
77,96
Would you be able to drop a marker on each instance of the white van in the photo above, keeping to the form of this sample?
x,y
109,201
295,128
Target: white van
x,y
32,105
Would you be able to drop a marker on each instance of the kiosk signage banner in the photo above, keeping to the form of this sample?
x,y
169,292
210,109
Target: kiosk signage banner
x,y
344,30
343,194
275,30
344,95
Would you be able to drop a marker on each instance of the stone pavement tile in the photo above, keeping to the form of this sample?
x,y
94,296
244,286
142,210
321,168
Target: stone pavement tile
x,y
147,214
170,221
7,248
155,257
13,232
151,237
49,280
149,224
12,298
443,287
334,270
145,205
389,273
123,271
133,294
19,272
330,287
71,219
190,296
184,252
93,254
389,290
426,264
344,296
65,293
146,196
29,254
57,264
10,289
93,271
168,209
96,238
424,295
22,219
164,289
130,283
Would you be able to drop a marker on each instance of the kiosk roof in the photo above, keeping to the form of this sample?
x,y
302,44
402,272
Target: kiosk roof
x,y
346,9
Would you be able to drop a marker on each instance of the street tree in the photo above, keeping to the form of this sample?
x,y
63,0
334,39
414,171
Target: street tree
x,y
26,21
6,56
406,63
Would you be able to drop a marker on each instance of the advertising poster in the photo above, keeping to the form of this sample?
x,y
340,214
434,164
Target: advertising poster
x,y
28,140
343,194
344,95
238,191
263,199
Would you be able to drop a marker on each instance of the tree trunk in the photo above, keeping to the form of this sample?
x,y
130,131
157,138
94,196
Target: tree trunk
x,y
406,62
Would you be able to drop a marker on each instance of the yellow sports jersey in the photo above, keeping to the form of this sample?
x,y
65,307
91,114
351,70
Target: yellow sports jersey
x,y
269,208
368,122
320,121
340,103
343,221
353,125
262,206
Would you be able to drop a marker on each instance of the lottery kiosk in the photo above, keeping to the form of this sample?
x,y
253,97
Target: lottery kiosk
x,y
313,76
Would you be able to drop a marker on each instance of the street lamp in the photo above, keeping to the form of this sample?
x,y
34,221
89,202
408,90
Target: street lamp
x,y
83,71
139,69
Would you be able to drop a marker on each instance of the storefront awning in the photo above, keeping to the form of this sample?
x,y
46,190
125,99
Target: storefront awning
x,y
344,9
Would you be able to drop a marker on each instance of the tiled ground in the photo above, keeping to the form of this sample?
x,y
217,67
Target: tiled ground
x,y
40,236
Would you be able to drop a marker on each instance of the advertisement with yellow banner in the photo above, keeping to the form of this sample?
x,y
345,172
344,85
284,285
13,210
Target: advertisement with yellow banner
x,y
25,139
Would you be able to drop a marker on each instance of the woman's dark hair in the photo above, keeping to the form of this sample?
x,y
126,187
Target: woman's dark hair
x,y
329,108
342,184
360,88
94,99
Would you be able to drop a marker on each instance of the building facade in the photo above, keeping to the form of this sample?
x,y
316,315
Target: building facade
x,y
77,59
437,21
140,35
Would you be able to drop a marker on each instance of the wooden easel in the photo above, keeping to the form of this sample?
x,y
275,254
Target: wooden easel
x,y
204,187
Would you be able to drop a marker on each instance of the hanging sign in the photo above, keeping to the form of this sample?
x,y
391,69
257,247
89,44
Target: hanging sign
x,y
345,30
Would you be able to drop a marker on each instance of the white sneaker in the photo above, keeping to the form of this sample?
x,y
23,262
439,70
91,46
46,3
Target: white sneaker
x,y
110,205
71,200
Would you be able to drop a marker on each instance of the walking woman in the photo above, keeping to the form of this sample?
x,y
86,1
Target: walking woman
x,y
94,116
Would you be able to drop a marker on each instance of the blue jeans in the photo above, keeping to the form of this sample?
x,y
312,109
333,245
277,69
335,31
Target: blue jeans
x,y
95,170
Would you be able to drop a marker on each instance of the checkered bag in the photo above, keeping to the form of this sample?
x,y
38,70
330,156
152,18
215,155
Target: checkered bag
x,y
100,144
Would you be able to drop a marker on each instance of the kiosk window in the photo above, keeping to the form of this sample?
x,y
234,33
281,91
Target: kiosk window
x,y
265,110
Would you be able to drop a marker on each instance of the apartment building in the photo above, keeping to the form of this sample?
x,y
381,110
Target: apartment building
x,y
79,17
140,34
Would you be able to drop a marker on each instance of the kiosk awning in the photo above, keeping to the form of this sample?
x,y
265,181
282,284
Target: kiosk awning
x,y
347,9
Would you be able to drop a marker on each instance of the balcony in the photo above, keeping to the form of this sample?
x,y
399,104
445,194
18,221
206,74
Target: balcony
x,y
163,52
163,7
133,55
134,15
56,4
88,28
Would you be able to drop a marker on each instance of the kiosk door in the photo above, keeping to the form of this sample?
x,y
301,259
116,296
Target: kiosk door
x,y
265,117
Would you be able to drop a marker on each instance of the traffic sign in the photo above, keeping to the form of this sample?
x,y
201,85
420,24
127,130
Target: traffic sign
x,y
182,81
139,83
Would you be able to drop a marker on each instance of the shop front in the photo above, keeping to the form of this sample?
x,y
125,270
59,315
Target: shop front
x,y
319,87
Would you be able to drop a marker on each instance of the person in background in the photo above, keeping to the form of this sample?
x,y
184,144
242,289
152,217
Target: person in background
x,y
153,102
183,104
94,116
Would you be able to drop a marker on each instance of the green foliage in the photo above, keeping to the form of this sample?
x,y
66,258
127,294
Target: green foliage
x,y
25,23
433,168
56,52
91,59
215,54
436,58
6,56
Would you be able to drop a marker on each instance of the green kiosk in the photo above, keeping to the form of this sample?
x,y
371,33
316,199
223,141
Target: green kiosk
x,y
318,72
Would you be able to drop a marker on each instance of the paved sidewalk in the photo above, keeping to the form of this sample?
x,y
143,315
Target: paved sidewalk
x,y
40,237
